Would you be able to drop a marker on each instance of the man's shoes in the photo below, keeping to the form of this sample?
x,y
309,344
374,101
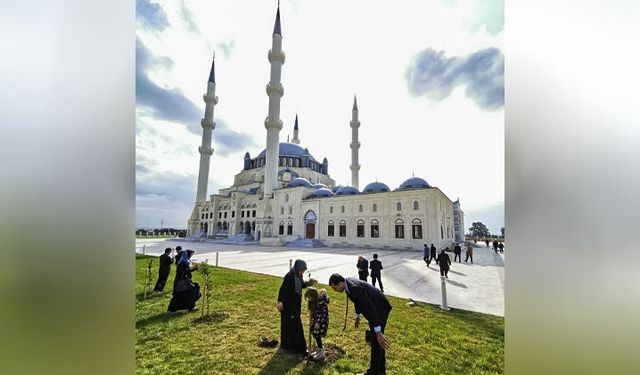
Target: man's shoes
x,y
318,355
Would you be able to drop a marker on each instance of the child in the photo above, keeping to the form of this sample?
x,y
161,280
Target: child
x,y
318,303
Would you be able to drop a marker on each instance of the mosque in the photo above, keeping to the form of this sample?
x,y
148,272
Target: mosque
x,y
284,195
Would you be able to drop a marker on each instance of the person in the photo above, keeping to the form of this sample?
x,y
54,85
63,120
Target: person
x,y
318,304
495,246
376,267
163,270
469,253
501,247
444,261
185,291
433,254
371,303
425,255
363,268
290,306
487,242
178,253
457,251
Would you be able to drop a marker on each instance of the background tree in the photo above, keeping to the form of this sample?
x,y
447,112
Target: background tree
x,y
479,230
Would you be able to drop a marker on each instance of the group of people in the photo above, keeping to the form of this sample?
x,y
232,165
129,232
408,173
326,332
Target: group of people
x,y
443,259
185,291
498,246
375,267
367,300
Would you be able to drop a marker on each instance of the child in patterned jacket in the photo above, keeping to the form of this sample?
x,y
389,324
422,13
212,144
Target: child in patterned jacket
x,y
318,303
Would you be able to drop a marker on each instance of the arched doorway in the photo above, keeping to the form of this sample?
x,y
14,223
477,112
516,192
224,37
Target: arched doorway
x,y
247,228
310,219
206,228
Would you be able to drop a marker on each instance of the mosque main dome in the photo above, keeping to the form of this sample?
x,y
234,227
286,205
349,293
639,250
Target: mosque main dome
x,y
376,187
414,183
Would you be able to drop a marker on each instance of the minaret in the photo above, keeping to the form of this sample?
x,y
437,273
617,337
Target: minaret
x,y
355,145
273,122
208,125
295,139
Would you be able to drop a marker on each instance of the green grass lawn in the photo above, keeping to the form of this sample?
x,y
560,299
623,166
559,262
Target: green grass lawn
x,y
424,339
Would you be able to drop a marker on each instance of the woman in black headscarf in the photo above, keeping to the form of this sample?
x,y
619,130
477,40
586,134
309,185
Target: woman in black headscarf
x,y
290,306
185,291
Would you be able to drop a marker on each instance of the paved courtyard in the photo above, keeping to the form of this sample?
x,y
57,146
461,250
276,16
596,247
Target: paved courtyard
x,y
476,287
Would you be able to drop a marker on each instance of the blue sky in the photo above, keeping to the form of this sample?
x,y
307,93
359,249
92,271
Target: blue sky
x,y
429,77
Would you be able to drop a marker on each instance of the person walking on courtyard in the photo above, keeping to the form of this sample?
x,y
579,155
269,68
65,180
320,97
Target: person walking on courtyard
x,y
425,255
501,247
318,304
374,306
363,268
376,267
290,306
163,270
495,246
469,253
444,261
457,253
487,242
433,254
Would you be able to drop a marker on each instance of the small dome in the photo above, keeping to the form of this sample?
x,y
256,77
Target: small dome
x,y
299,181
335,188
292,172
376,187
414,183
320,186
322,192
347,190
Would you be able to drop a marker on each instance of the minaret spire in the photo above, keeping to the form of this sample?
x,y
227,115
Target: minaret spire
x,y
208,125
355,144
272,123
212,74
295,139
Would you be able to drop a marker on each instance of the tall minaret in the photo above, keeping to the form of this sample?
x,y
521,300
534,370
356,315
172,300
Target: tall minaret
x,y
208,125
295,139
355,145
273,122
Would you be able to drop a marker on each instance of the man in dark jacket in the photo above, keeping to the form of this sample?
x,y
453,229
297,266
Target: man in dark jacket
x,y
433,253
376,267
164,269
363,268
444,261
425,255
371,303
457,251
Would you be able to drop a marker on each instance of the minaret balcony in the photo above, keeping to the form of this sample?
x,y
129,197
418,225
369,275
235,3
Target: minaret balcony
x,y
354,124
206,123
210,98
275,88
355,145
273,123
355,167
204,150
276,56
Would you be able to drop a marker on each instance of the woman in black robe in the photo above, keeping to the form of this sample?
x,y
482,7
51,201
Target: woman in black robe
x,y
290,307
185,299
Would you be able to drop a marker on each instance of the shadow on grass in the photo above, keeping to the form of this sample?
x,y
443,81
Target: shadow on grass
x,y
212,318
150,295
482,323
282,361
158,318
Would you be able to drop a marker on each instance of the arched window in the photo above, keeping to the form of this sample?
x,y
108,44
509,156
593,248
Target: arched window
x,y
416,206
398,206
281,228
330,228
416,228
289,228
374,208
330,209
375,228
286,197
342,209
343,228
219,225
360,227
359,208
441,233
399,228
282,210
254,206
290,210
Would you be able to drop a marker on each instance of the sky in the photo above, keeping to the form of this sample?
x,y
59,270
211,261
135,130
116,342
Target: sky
x,y
428,75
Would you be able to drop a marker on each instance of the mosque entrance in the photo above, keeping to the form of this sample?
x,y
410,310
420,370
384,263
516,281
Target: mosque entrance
x,y
311,231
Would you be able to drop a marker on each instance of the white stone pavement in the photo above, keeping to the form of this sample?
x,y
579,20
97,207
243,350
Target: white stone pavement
x,y
475,287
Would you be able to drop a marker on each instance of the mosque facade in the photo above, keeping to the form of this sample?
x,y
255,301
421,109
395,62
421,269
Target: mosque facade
x,y
285,195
